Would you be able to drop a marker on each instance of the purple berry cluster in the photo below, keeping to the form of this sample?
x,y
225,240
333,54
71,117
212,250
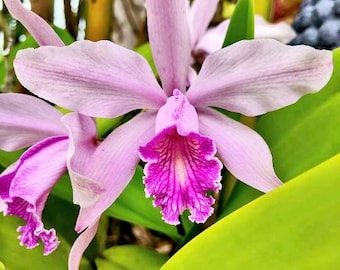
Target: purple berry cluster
x,y
318,24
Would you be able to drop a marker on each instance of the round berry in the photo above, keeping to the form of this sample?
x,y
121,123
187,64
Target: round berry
x,y
304,19
307,3
318,24
337,7
329,32
324,8
310,37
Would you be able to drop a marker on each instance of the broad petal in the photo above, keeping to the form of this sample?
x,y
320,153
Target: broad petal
x,y
180,170
25,186
200,14
80,245
25,120
82,132
170,42
281,31
212,39
95,78
99,173
192,75
257,76
35,25
244,153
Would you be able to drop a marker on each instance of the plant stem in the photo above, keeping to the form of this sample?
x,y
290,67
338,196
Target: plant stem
x,y
99,19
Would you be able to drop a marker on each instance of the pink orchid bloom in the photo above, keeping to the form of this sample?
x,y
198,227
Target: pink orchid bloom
x,y
180,137
206,40
25,185
28,121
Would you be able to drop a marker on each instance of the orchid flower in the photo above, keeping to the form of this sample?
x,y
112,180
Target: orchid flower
x,y
28,121
182,139
206,40
25,186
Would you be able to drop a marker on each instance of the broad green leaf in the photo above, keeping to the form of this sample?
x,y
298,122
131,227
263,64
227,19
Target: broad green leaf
x,y
2,266
104,125
61,215
63,188
241,23
7,158
264,8
292,228
17,257
130,257
300,136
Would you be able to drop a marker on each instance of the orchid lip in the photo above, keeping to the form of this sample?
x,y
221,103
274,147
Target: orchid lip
x,y
181,165
179,173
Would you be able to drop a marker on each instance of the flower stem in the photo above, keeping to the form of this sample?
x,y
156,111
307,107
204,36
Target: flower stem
x,y
99,19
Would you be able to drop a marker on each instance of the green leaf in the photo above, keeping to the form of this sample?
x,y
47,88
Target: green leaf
x,y
292,228
16,257
131,257
132,206
300,136
241,23
61,215
63,188
2,266
7,158
104,125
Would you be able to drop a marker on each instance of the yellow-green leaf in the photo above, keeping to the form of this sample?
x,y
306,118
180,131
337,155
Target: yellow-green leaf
x,y
130,257
17,257
294,227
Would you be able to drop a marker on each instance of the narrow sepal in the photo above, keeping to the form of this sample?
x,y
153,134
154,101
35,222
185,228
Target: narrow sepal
x,y
36,26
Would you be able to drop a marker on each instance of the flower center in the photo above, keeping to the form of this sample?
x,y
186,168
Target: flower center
x,y
177,111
